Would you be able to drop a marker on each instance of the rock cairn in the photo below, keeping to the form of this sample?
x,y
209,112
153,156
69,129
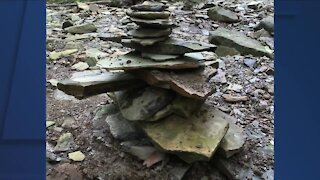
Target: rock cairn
x,y
160,89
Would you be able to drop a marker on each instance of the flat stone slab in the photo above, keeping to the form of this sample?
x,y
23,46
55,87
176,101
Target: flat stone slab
x,y
142,103
81,29
159,57
148,14
111,37
239,41
149,6
234,140
156,23
170,46
193,139
149,33
222,15
97,82
193,84
148,41
133,60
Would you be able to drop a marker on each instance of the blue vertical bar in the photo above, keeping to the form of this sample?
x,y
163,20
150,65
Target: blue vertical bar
x,y
22,89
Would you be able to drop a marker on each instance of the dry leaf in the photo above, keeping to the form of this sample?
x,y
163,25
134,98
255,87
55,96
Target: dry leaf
x,y
154,158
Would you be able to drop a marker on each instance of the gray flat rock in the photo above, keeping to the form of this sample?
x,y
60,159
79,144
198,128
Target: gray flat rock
x,y
222,15
186,137
170,46
149,33
148,14
239,41
97,83
141,104
148,41
81,29
156,23
149,6
111,37
159,57
133,60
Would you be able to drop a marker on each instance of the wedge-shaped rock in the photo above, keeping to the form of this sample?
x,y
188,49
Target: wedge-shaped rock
x,y
156,23
222,15
148,41
234,170
142,103
149,33
170,46
159,57
181,106
193,84
267,24
239,41
193,139
185,107
133,61
111,37
166,111
234,140
121,128
96,83
148,14
81,29
149,6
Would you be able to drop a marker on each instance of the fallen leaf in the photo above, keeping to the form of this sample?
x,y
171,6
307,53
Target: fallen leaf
x,y
154,158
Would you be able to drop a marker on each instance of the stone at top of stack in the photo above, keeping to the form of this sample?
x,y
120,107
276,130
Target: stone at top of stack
x,y
154,23
152,37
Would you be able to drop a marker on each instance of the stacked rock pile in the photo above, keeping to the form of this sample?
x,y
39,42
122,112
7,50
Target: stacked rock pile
x,y
161,88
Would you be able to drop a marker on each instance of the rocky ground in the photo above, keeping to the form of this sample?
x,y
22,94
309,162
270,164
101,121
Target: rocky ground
x,y
244,90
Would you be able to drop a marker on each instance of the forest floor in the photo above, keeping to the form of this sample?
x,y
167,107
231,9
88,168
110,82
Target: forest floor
x,y
104,157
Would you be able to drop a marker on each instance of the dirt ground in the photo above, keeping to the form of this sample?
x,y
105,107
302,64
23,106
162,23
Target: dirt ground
x,y
105,158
